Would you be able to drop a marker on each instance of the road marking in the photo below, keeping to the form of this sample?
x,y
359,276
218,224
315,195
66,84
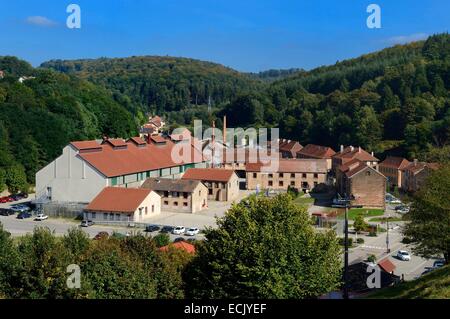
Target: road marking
x,y
373,247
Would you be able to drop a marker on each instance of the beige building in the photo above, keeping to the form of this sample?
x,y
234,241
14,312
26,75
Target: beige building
x,y
363,184
414,175
179,195
116,204
392,167
303,174
222,184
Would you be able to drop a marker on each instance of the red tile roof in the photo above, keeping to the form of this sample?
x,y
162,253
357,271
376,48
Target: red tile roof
x,y
118,200
355,152
386,265
418,166
317,151
290,146
180,245
84,145
156,120
115,142
158,139
117,162
356,166
395,162
137,140
208,174
290,166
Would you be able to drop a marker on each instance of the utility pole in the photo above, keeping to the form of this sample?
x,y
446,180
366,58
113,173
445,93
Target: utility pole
x,y
387,235
345,295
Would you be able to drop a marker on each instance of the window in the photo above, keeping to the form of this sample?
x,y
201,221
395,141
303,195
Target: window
x,y
114,181
111,216
281,175
199,193
292,175
280,183
210,191
94,215
166,202
175,203
185,204
316,175
270,183
292,183
153,208
118,217
166,194
146,210
270,175
254,175
185,195
368,173
105,216
304,175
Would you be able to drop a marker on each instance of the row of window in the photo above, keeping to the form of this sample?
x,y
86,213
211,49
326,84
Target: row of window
x,y
281,184
166,203
281,175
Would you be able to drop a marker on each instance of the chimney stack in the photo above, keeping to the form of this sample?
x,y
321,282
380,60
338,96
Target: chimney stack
x,y
225,129
342,148
351,148
415,162
359,149
372,153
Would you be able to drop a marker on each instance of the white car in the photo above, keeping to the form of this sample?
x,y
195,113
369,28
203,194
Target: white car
x,y
403,255
179,230
192,231
41,217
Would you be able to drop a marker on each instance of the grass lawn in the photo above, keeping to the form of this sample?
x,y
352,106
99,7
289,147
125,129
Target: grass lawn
x,y
366,212
434,285
304,200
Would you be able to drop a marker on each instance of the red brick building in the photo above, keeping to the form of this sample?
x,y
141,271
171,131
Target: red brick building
x,y
392,167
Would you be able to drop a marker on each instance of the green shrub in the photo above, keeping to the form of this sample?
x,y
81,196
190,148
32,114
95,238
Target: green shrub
x,y
372,258
360,240
161,240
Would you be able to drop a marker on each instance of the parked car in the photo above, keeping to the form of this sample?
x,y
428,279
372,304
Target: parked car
x,y
403,255
20,208
101,235
23,215
41,217
166,229
151,228
6,212
179,230
192,231
6,199
438,264
86,223
178,239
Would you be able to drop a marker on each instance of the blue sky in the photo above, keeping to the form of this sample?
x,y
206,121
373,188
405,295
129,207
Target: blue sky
x,y
248,35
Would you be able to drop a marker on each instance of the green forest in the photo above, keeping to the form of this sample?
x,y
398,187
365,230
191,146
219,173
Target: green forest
x,y
395,101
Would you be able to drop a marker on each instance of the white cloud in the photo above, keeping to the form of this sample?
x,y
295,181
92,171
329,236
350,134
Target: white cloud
x,y
40,21
402,39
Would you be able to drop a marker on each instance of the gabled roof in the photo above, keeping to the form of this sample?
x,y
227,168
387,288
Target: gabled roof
x,y
158,139
359,167
416,167
290,146
85,145
116,142
171,185
290,166
386,265
137,140
359,153
317,151
395,162
156,120
118,200
180,245
113,162
209,174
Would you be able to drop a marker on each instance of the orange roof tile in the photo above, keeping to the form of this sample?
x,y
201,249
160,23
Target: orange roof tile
x,y
117,162
208,174
118,199
357,152
386,265
180,245
395,162
317,151
84,145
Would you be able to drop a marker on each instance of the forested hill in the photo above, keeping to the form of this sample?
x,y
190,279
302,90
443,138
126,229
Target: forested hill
x,y
395,100
162,84
40,116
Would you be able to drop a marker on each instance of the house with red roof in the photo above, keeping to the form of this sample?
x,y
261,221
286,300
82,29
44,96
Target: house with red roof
x,y
363,183
289,148
86,167
118,204
222,184
189,248
351,153
317,152
415,173
392,167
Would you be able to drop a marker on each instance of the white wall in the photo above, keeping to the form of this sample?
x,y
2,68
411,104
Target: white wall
x,y
71,179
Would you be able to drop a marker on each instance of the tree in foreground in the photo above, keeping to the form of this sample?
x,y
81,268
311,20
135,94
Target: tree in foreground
x,y
429,226
360,224
265,248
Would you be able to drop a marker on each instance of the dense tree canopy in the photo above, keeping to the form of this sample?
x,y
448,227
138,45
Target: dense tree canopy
x,y
265,248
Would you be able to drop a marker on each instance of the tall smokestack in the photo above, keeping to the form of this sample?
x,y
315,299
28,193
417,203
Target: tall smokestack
x,y
225,129
213,146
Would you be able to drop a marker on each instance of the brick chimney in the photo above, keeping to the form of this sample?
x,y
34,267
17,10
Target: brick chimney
x,y
359,149
225,129
351,148
342,148
415,162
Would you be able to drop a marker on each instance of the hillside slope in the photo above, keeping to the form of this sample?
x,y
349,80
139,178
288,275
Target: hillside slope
x,y
434,285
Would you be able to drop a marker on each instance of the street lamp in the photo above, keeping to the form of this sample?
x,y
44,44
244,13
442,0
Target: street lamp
x,y
347,206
